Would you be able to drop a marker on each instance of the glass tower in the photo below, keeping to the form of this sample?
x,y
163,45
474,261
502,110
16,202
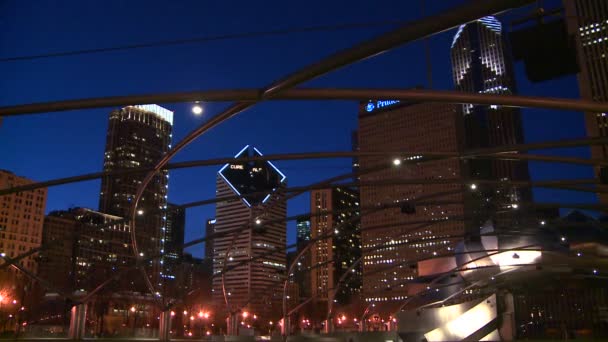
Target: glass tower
x,y
138,136
481,63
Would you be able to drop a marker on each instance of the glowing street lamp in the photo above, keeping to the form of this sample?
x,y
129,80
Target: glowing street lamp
x,y
132,309
197,109
396,161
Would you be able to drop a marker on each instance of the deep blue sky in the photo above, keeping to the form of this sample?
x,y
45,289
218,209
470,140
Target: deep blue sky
x,y
47,146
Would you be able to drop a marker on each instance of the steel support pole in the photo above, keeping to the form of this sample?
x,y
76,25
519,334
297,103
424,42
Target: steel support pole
x,y
286,326
78,316
164,326
232,328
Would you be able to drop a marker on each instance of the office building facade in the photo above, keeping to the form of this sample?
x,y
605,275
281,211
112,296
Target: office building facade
x,y
301,272
139,136
253,258
21,221
587,21
334,214
175,227
83,248
209,229
395,234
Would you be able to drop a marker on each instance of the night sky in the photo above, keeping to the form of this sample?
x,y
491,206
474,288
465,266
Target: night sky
x,y
48,146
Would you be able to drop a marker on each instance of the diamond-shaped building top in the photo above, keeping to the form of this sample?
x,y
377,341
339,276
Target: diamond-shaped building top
x,y
255,181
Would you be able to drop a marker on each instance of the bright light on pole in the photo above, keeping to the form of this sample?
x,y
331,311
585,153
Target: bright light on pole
x,y
197,109
396,161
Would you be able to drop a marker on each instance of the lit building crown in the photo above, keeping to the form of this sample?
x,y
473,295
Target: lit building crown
x,y
254,181
161,112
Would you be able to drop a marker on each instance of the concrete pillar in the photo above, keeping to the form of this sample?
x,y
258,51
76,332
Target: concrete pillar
x,y
328,327
164,326
78,316
363,325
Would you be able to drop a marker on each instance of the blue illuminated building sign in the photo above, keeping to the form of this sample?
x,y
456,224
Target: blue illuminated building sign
x,y
379,104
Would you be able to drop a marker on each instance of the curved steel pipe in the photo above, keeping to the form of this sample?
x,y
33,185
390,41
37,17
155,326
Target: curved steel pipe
x,y
253,95
500,152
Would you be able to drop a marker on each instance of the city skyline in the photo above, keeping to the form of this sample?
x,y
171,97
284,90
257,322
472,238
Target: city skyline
x,y
428,203
340,114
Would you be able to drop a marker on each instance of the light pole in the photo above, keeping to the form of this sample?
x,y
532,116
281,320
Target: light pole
x,y
134,311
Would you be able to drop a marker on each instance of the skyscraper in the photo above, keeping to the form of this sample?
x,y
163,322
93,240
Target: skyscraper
x,y
393,236
138,136
254,255
334,212
21,220
302,230
481,63
174,238
209,228
588,22
302,274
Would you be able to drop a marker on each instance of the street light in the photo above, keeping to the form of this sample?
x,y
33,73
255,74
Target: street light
x,y
197,109
396,161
